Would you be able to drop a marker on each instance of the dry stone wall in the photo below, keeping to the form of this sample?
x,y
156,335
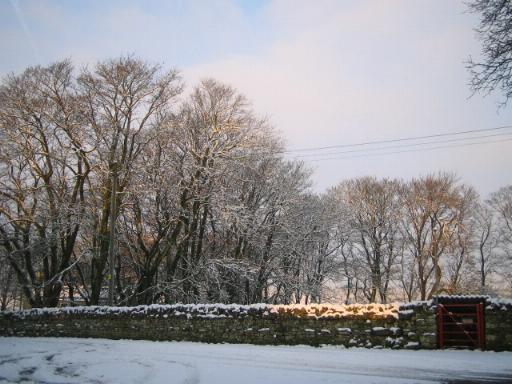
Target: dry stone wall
x,y
498,325
370,326
411,326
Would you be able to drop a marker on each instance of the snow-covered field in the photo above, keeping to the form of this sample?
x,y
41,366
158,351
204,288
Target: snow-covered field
x,y
52,360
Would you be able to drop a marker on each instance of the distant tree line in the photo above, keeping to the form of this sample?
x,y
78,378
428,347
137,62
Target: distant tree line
x,y
192,196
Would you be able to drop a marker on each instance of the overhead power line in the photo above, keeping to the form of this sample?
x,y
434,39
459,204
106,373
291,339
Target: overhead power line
x,y
404,145
410,150
311,149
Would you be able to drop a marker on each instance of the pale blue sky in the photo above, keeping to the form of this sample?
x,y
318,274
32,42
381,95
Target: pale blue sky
x,y
178,33
325,72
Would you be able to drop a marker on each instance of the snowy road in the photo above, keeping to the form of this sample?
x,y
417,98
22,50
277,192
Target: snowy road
x,y
50,360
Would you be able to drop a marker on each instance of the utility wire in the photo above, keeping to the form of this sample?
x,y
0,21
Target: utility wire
x,y
410,150
397,140
405,145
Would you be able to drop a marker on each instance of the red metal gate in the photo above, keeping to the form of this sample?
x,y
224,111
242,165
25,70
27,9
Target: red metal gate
x,y
461,325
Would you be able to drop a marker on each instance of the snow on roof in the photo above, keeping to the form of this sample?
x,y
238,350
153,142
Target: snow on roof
x,y
499,303
492,303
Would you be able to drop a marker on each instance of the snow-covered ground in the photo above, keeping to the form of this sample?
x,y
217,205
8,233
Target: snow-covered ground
x,y
52,360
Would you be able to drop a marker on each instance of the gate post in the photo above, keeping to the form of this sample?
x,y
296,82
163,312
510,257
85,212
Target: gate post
x,y
440,326
481,326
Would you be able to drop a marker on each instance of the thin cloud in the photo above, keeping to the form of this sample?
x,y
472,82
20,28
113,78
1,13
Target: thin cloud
x,y
26,30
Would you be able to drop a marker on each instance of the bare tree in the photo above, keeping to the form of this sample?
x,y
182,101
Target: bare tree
x,y
217,129
8,294
408,279
374,213
434,207
44,168
495,32
263,220
501,203
459,265
187,182
121,98
487,242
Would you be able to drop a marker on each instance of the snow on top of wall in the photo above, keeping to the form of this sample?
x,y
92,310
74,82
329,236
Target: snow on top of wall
x,y
153,310
319,311
407,308
211,311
